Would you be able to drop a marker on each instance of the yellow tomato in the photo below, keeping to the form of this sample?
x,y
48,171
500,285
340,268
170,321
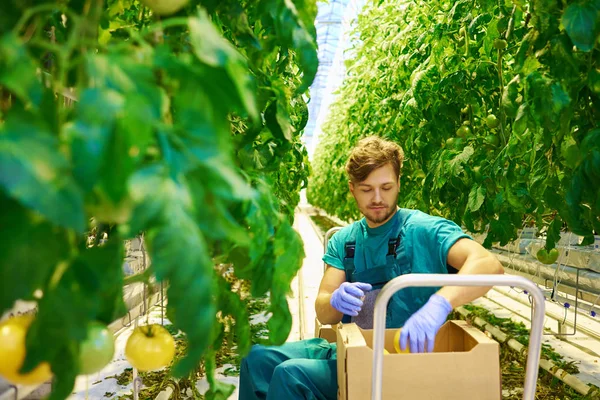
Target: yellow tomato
x,y
150,347
397,343
12,353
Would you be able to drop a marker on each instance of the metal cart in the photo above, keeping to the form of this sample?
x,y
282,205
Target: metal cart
x,y
401,282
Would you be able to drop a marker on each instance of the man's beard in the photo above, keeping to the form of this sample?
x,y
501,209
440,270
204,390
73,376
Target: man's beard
x,y
383,217
379,219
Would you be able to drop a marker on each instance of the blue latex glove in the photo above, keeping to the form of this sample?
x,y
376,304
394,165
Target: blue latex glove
x,y
347,298
423,325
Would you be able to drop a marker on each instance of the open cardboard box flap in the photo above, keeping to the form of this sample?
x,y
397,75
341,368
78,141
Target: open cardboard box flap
x,y
464,365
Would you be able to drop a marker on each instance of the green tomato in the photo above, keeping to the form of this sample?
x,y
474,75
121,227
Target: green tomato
x,y
547,257
492,140
542,256
97,350
463,131
553,255
454,142
492,121
500,44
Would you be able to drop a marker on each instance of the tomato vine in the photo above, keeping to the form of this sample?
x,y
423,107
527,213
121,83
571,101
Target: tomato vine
x,y
184,123
495,104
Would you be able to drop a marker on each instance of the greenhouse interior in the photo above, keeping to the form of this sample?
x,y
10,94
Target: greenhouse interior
x,y
300,199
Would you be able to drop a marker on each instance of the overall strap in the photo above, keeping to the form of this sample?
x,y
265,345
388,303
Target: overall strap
x,y
393,246
349,250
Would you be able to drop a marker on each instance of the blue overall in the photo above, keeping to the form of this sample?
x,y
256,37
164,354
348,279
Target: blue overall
x,y
411,242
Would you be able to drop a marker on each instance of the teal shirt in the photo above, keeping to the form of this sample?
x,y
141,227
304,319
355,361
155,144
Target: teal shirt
x,y
426,241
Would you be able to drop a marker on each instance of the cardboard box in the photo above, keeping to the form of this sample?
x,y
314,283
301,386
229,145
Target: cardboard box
x,y
327,332
465,364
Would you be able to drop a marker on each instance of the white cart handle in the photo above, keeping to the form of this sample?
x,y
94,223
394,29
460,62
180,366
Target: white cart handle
x,y
428,280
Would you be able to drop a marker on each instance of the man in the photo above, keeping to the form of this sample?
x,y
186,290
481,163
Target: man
x,y
361,258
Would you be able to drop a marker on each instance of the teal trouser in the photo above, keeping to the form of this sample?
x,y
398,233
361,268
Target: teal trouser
x,y
296,370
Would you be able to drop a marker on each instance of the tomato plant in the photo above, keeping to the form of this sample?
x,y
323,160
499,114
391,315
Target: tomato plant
x,y
97,350
12,353
150,347
177,120
522,76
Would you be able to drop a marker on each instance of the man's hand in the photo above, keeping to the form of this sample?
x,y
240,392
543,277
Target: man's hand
x,y
347,298
424,324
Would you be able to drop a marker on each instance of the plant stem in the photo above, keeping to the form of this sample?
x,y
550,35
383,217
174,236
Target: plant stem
x,y
500,109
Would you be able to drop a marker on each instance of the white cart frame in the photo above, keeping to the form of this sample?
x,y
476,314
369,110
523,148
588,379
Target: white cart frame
x,y
428,280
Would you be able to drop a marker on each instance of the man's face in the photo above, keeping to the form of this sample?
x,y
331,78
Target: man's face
x,y
377,196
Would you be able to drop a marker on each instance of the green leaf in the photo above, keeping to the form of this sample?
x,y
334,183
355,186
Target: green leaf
x,y
152,193
236,187
293,31
120,160
509,97
513,200
30,250
175,235
476,198
91,131
33,171
18,70
201,134
521,120
278,121
99,273
218,390
455,166
231,304
214,216
553,235
289,253
579,20
213,50
570,152
89,289
560,98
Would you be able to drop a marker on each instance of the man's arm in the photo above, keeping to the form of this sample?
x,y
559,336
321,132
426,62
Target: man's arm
x,y
332,279
469,257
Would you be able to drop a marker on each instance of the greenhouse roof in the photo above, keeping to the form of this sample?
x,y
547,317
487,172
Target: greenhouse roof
x,y
332,20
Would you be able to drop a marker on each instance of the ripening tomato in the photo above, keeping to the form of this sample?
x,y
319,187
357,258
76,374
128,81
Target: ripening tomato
x,y
150,347
12,353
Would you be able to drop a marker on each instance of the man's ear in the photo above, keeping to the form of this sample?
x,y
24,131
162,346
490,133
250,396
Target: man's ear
x,y
351,186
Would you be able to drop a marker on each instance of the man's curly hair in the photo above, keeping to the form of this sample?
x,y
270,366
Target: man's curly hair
x,y
371,153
